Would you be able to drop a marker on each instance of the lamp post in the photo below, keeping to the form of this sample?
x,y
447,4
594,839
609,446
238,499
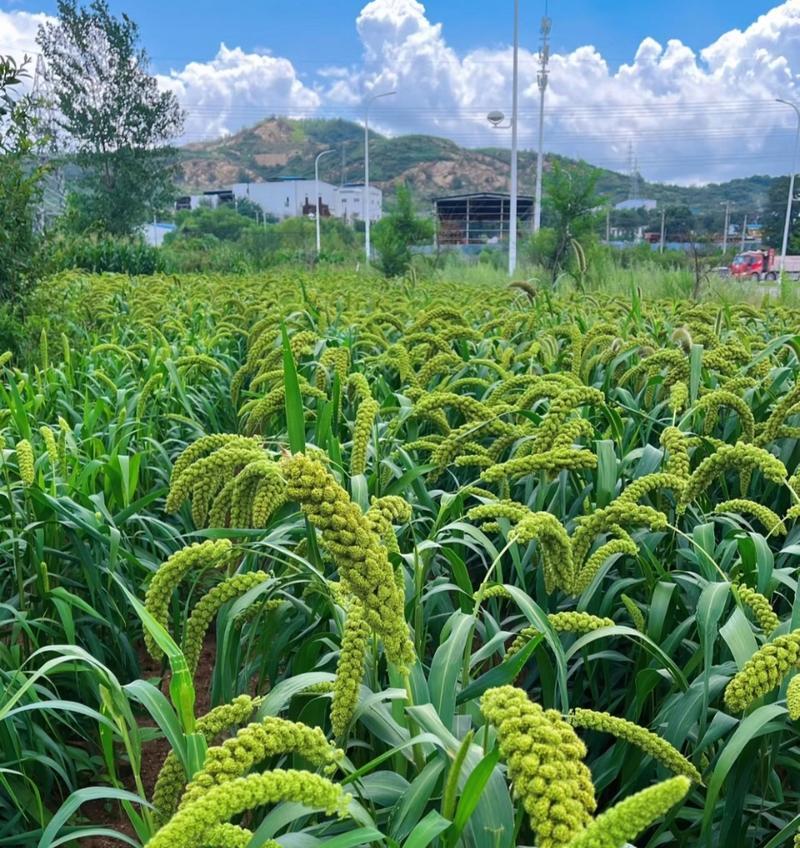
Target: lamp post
x,y
317,204
496,119
727,205
789,200
541,79
366,204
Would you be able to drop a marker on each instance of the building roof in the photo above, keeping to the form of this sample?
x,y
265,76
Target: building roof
x,y
488,195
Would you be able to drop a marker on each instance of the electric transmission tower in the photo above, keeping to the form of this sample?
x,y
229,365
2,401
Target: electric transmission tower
x,y
541,78
53,197
634,189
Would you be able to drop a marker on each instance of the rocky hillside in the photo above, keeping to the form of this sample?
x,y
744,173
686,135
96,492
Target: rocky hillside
x,y
280,147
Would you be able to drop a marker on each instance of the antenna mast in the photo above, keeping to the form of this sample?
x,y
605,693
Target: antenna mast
x,y
542,78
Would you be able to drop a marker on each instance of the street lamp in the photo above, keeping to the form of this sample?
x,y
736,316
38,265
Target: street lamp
x,y
727,205
496,119
791,184
317,204
366,204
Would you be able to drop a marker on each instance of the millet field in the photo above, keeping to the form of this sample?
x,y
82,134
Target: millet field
x,y
304,558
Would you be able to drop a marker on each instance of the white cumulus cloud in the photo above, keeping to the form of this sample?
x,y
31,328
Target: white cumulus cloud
x,y
235,89
691,117
18,33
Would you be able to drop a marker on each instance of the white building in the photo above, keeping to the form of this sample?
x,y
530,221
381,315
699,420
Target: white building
x,y
350,203
637,203
294,198
153,234
288,198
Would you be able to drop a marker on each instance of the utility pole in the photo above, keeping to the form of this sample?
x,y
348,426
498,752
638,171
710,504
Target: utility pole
x,y
725,229
790,199
365,211
608,225
541,78
317,200
744,234
512,212
663,229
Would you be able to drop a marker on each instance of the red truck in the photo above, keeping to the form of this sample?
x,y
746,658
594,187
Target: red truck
x,y
762,265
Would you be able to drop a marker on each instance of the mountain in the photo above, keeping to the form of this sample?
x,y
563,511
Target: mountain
x,y
280,147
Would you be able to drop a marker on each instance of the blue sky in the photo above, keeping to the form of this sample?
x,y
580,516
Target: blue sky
x,y
681,84
322,32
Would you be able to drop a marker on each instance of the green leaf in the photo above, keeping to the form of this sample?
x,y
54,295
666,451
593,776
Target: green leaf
x,y
74,802
606,472
695,371
471,794
446,667
426,831
407,815
748,730
280,696
500,675
738,635
295,421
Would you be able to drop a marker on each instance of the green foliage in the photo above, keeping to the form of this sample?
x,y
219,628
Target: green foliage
x,y
223,223
775,217
220,239
571,220
395,234
111,115
104,255
20,178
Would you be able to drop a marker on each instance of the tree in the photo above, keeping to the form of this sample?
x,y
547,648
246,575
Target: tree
x,y
111,116
775,217
20,176
679,223
395,234
224,223
571,220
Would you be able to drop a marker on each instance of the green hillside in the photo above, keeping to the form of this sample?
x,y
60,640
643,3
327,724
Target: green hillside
x,y
279,147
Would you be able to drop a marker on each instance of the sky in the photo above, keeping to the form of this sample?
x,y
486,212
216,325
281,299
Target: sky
x,y
691,92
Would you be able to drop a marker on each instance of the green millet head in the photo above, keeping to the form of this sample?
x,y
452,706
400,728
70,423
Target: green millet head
x,y
545,765
740,457
555,547
172,778
763,672
362,560
210,554
209,605
51,445
362,432
561,622
634,612
254,744
793,698
761,608
350,668
188,826
26,462
614,547
676,447
208,464
658,748
771,520
624,822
